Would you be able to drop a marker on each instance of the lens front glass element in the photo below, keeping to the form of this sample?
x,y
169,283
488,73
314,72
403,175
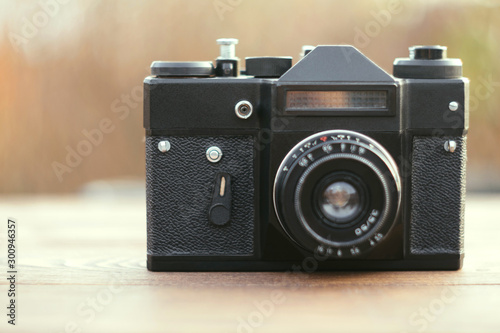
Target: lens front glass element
x,y
340,202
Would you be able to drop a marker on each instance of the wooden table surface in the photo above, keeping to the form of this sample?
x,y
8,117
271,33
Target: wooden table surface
x,y
82,269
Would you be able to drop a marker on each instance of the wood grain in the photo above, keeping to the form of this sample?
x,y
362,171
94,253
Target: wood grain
x,y
73,251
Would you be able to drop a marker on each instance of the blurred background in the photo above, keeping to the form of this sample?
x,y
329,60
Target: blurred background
x,y
71,72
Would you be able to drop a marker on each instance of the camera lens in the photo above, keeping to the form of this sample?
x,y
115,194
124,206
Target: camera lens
x,y
338,190
340,202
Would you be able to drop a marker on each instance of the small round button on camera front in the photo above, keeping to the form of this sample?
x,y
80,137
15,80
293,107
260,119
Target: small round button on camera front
x,y
214,154
243,109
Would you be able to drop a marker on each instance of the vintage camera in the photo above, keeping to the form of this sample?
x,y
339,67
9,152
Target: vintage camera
x,y
328,164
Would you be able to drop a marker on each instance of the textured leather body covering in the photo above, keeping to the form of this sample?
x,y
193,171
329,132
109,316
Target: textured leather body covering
x,y
179,188
437,196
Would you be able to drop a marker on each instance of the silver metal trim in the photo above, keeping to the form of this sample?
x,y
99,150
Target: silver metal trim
x,y
238,112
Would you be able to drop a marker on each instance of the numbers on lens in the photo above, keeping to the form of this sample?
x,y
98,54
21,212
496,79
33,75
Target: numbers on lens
x,y
372,219
377,238
306,164
355,251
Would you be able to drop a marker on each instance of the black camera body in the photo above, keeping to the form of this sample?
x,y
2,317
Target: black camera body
x,y
330,164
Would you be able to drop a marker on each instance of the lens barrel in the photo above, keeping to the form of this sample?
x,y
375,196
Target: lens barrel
x,y
337,192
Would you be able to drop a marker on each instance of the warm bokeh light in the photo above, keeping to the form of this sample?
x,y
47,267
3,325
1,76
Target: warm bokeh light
x,y
74,70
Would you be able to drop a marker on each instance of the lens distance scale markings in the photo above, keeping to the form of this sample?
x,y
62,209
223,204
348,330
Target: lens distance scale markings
x,y
356,145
